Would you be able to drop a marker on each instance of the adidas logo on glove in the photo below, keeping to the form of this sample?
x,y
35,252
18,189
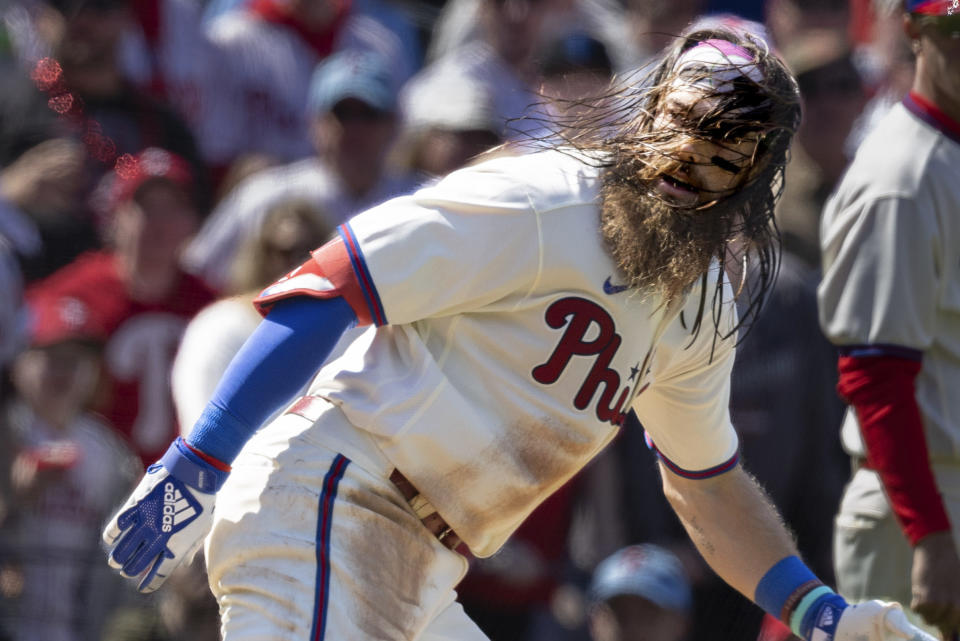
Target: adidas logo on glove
x,y
176,509
826,618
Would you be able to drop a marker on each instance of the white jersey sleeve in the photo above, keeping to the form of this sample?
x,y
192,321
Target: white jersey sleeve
x,y
477,240
880,282
685,411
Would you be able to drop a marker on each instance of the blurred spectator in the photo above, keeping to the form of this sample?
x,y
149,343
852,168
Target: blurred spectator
x,y
575,65
353,100
42,180
139,295
166,52
11,313
385,27
68,471
790,20
640,593
886,62
41,202
273,46
573,69
447,120
290,231
833,98
655,23
459,24
86,84
502,59
747,9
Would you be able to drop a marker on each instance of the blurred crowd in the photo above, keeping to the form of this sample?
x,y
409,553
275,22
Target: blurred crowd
x,y
161,161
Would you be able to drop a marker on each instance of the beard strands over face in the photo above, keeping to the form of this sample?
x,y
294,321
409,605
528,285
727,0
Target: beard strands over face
x,y
661,249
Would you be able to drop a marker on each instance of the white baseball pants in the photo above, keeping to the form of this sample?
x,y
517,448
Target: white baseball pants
x,y
311,541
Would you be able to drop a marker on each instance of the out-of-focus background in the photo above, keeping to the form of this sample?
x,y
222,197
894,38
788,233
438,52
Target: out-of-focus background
x,y
163,160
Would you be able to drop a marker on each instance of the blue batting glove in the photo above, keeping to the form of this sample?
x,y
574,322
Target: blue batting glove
x,y
166,518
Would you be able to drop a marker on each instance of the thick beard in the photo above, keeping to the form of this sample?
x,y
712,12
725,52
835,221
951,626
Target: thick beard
x,y
659,248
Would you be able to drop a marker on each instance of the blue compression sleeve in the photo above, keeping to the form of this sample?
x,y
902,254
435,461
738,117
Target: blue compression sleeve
x,y
278,359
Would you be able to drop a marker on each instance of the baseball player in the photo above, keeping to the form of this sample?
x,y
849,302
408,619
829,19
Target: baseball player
x,y
517,309
890,298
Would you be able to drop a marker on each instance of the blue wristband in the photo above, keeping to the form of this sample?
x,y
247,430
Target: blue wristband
x,y
780,583
183,464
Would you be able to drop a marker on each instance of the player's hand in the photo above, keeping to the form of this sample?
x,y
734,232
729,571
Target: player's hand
x,y
936,582
166,518
869,621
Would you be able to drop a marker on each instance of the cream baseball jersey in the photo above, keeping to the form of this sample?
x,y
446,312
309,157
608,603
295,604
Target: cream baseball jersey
x,y
891,239
506,350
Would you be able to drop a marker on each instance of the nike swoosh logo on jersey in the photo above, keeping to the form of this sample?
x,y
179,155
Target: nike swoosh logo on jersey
x,y
611,289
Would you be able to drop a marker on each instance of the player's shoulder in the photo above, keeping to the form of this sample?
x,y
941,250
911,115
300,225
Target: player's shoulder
x,y
894,157
540,180
703,331
893,169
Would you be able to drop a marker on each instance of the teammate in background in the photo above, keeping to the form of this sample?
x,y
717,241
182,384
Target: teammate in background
x,y
518,308
640,593
890,298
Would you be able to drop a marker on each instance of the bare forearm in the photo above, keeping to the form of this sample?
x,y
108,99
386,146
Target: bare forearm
x,y
732,523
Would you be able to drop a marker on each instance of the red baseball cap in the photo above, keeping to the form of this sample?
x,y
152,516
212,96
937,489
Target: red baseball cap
x,y
132,172
934,7
57,319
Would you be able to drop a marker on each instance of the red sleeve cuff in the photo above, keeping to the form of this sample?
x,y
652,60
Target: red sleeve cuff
x,y
881,390
217,463
328,274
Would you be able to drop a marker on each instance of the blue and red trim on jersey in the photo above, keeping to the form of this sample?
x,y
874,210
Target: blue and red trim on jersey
x,y
932,115
716,470
364,278
337,269
881,349
328,495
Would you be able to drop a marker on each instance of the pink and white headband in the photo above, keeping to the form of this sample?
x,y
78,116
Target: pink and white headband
x,y
725,62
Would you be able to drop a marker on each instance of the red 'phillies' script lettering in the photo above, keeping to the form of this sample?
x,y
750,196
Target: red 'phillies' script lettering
x,y
580,315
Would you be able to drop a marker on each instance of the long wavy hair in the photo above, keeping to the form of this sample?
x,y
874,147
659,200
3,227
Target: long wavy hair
x,y
619,132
